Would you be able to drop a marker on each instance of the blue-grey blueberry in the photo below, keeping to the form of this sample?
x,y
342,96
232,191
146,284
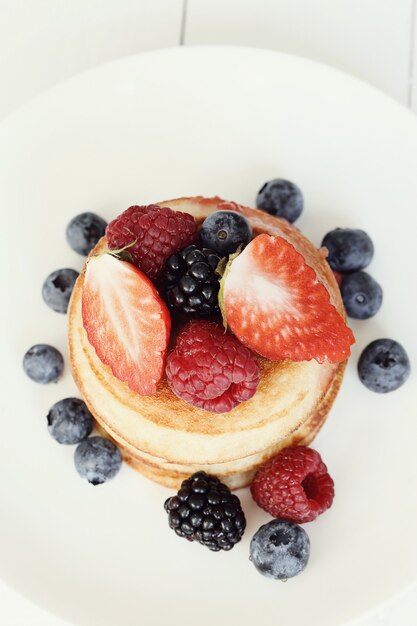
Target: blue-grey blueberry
x,y
43,363
57,289
225,231
281,198
280,549
383,365
97,460
361,295
70,421
84,231
349,249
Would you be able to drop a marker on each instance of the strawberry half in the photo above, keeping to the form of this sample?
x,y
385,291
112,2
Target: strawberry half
x,y
126,322
272,301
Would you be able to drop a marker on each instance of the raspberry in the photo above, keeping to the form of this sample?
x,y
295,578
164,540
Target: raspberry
x,y
294,485
155,232
210,369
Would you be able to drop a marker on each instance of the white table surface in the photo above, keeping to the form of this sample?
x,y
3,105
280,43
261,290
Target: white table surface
x,y
45,41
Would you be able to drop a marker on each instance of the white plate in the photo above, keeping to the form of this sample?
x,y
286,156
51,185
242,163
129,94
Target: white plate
x,y
205,121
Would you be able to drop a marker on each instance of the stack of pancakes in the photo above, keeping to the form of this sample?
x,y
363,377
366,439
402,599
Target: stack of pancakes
x,y
167,439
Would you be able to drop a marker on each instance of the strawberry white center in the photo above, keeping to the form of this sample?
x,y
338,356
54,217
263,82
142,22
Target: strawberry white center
x,y
275,305
268,294
124,318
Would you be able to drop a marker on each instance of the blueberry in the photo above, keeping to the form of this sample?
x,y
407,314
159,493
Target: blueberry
x,y
84,231
69,421
281,198
383,365
97,460
225,231
361,294
57,289
43,363
280,549
349,249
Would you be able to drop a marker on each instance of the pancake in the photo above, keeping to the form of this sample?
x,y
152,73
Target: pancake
x,y
167,439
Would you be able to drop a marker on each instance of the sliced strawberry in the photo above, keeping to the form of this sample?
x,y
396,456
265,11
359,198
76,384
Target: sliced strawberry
x,y
273,303
126,322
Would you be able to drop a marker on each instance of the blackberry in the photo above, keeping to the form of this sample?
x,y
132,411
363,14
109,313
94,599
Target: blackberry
x,y
191,284
206,511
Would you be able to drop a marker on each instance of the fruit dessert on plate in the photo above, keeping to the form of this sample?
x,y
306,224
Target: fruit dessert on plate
x,y
205,336
209,341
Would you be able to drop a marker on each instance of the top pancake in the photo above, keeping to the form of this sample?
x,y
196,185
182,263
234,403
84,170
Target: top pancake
x,y
164,426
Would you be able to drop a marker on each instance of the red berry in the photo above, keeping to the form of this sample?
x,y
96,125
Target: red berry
x,y
155,232
338,276
126,322
294,485
211,369
275,305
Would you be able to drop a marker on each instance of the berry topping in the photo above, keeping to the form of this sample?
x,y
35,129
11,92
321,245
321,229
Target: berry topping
x,y
69,421
152,233
349,249
210,369
361,294
272,301
57,289
225,231
281,198
280,549
97,460
383,365
84,231
191,283
205,510
294,485
126,322
43,364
